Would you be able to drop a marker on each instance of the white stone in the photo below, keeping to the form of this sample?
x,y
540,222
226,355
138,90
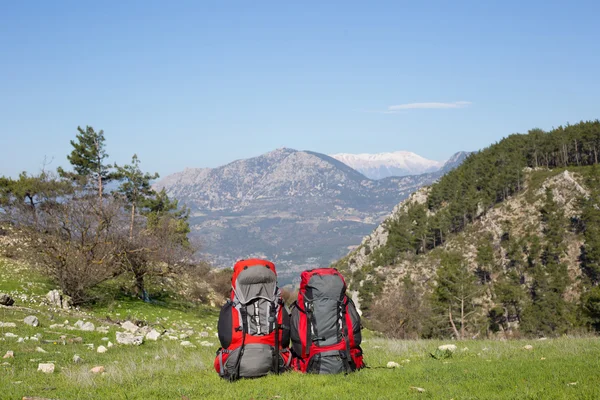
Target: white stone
x,y
79,323
109,345
88,326
20,340
392,364
185,343
97,370
153,335
206,344
46,368
129,326
9,354
40,350
77,359
129,338
31,320
528,347
105,339
10,334
203,334
448,347
101,349
8,325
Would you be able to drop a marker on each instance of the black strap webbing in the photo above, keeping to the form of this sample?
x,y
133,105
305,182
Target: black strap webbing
x,y
236,372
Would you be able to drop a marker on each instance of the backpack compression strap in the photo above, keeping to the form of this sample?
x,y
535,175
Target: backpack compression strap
x,y
273,319
244,314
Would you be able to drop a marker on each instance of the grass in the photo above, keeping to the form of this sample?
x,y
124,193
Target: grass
x,y
563,368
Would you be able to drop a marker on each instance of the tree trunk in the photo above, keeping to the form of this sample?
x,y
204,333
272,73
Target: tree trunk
x,y
462,318
452,322
132,220
139,284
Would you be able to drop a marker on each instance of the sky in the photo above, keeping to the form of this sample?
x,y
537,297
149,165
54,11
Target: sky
x,y
202,83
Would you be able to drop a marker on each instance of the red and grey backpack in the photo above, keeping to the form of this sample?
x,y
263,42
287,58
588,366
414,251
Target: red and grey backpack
x,y
325,326
254,324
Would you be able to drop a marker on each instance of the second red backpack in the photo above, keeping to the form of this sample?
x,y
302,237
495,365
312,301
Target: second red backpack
x,y
325,326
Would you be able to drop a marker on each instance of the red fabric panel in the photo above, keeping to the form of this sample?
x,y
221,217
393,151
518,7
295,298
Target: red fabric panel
x,y
306,275
349,325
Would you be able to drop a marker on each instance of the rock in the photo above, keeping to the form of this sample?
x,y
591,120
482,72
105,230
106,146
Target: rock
x,y
528,347
54,326
447,347
129,326
392,364
31,320
101,349
76,340
97,370
102,329
6,300
57,299
78,324
109,345
203,334
9,354
173,337
77,359
418,389
10,334
206,344
8,325
20,340
40,350
88,326
185,343
153,335
157,357
46,368
105,339
129,338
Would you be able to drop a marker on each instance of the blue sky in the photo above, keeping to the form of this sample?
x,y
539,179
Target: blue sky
x,y
199,84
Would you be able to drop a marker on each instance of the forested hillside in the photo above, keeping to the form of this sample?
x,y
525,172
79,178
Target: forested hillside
x,y
507,243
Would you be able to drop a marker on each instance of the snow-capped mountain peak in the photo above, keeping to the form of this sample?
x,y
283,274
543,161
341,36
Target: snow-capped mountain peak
x,y
382,165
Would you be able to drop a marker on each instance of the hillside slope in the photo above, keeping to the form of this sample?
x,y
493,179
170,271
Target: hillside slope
x,y
494,246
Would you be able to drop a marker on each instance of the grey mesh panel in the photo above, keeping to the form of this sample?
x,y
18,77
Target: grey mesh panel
x,y
257,360
326,291
255,282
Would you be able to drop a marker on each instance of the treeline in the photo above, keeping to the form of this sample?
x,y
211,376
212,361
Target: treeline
x,y
80,235
530,293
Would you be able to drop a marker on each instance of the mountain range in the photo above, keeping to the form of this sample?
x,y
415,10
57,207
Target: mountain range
x,y
301,209
383,165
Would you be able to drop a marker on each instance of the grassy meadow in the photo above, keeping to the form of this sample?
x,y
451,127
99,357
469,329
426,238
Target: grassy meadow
x,y
564,368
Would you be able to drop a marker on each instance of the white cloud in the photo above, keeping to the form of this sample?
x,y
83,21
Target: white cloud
x,y
431,105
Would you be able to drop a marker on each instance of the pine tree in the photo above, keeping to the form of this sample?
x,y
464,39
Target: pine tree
x,y
88,158
455,294
135,186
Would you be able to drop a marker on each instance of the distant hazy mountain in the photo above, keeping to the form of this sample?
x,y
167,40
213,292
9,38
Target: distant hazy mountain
x,y
299,208
382,165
